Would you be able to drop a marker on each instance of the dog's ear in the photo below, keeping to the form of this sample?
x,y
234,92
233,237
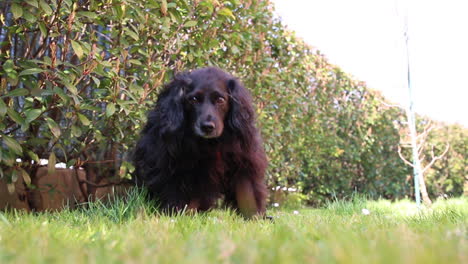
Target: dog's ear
x,y
241,115
169,107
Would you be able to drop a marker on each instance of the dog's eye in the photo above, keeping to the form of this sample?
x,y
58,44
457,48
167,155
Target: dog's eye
x,y
220,100
193,99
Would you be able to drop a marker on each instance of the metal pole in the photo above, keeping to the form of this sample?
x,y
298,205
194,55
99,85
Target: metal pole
x,y
412,125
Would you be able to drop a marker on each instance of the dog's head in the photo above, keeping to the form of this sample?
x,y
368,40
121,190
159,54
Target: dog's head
x,y
208,100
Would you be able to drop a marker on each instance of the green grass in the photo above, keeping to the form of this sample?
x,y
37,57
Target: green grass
x,y
131,232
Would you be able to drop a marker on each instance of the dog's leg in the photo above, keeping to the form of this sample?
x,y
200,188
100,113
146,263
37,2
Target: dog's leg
x,y
250,198
193,206
200,204
230,200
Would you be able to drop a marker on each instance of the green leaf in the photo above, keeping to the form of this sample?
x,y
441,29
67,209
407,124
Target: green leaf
x,y
45,7
76,131
90,15
3,108
226,12
9,66
51,164
175,16
25,175
64,152
135,62
13,145
237,2
119,11
15,116
96,81
11,188
32,114
33,156
17,92
14,175
24,126
110,109
17,10
77,48
125,168
29,17
59,91
70,87
54,128
43,28
190,23
83,119
32,3
132,34
71,162
7,158
69,3
12,78
31,71
90,108
208,5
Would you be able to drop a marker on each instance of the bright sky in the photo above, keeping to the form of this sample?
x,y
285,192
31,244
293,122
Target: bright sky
x,y
366,39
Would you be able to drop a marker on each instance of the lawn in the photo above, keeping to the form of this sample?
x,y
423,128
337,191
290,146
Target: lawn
x,y
342,232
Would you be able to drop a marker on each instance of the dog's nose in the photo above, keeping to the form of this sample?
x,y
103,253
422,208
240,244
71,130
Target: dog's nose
x,y
207,127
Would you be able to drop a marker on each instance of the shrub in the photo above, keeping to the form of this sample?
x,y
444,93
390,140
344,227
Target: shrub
x,y
77,78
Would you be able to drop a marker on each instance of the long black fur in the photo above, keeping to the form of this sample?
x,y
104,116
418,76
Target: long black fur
x,y
179,167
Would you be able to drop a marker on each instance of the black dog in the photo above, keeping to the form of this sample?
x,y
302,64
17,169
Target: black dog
x,y
200,144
